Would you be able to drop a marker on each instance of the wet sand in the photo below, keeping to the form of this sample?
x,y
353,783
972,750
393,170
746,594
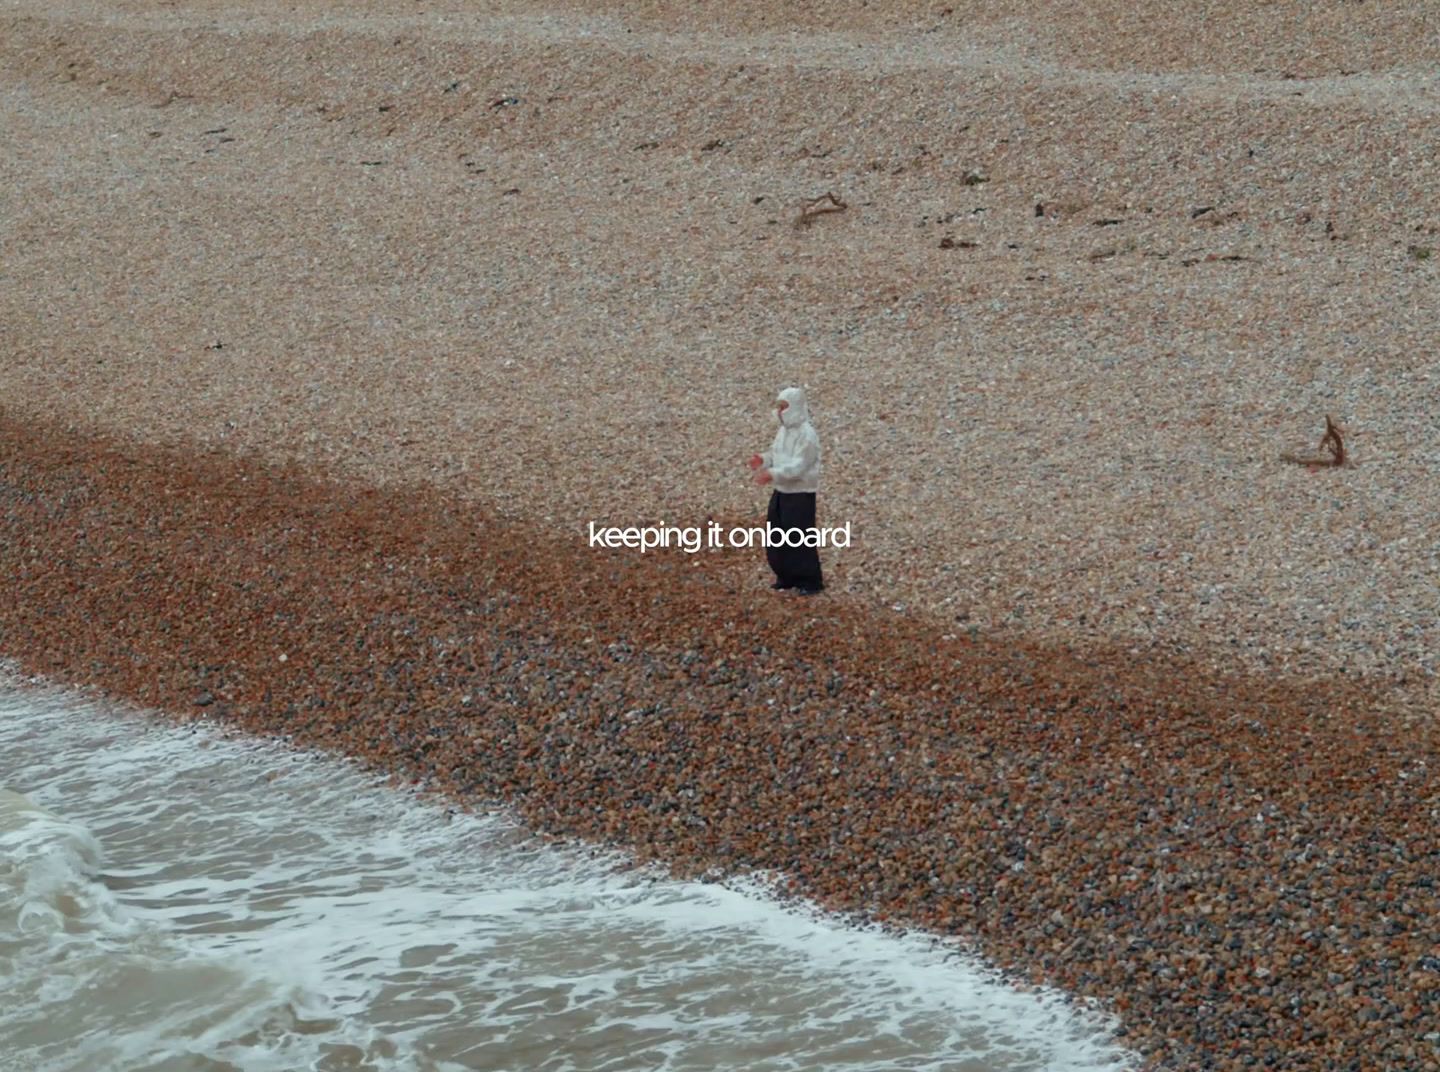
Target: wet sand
x,y
1244,868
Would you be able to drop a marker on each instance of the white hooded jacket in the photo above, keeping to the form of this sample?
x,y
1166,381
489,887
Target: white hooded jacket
x,y
794,458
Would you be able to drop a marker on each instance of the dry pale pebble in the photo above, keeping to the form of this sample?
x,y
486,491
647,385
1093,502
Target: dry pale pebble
x,y
487,246
1104,685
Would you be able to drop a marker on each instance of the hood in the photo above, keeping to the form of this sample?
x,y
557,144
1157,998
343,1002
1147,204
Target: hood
x,y
798,412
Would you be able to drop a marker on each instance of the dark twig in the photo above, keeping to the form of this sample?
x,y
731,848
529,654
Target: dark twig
x,y
1331,442
818,206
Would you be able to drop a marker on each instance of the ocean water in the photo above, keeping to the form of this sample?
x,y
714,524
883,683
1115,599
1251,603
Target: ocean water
x,y
174,899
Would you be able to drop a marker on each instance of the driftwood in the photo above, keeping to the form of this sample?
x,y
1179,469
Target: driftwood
x,y
1331,442
818,206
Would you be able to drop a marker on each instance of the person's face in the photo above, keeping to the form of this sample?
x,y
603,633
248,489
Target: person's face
x,y
780,408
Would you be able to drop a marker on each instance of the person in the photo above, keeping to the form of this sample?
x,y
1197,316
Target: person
x,y
792,464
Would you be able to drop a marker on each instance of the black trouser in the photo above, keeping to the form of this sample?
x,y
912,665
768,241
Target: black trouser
x,y
795,567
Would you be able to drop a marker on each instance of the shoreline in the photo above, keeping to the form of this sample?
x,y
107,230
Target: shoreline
x,y
226,777
889,773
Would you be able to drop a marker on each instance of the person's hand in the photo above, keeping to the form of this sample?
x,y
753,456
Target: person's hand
x,y
763,477
756,461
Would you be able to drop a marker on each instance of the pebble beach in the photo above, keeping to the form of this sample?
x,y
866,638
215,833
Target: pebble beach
x,y
330,330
